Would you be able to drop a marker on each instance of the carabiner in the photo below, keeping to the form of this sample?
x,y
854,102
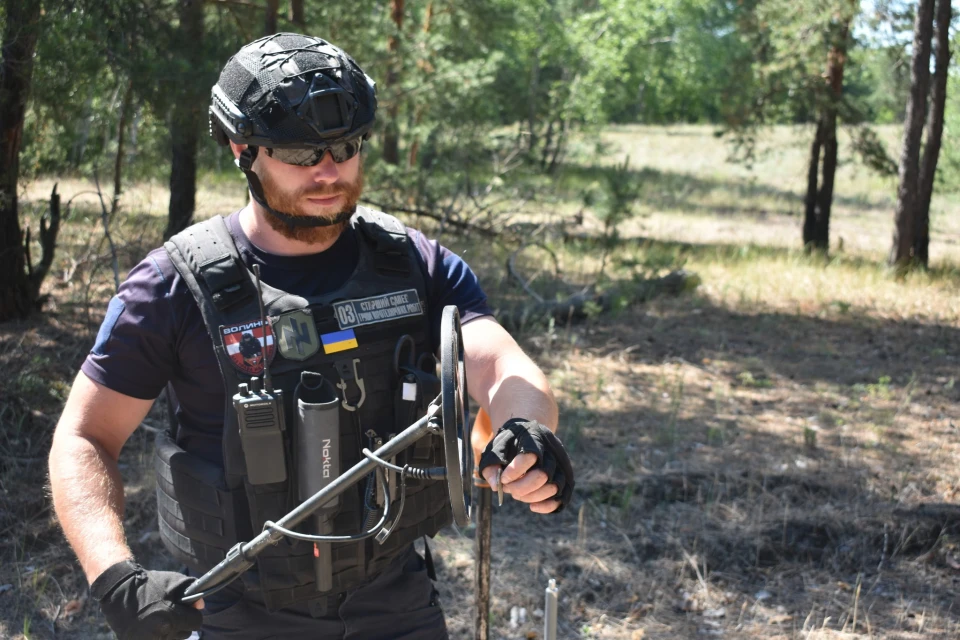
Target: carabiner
x,y
343,369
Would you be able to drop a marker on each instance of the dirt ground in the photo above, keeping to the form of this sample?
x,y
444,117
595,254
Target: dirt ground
x,y
773,455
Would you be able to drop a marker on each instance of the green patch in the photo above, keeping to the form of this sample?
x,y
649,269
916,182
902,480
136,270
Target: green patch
x,y
875,391
759,381
809,438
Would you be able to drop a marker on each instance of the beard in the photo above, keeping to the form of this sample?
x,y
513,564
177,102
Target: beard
x,y
294,204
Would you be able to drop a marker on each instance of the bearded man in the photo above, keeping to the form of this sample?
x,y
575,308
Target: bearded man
x,y
352,300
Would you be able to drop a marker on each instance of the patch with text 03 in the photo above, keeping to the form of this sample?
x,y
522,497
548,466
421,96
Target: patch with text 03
x,y
382,308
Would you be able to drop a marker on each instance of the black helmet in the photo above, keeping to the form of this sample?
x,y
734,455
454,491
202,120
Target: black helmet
x,y
291,90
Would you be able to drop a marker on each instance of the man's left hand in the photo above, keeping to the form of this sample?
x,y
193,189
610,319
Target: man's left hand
x,y
536,467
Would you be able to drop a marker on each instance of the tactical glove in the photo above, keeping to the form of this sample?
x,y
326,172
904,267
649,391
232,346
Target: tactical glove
x,y
145,605
529,436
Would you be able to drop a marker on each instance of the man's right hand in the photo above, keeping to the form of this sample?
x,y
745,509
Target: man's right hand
x,y
145,605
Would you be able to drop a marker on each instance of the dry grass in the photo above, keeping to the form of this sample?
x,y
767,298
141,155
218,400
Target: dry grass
x,y
773,456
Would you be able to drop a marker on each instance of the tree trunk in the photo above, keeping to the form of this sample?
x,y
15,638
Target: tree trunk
x,y
185,125
118,161
931,154
183,181
424,66
297,16
49,230
534,87
270,17
904,235
19,41
810,201
391,136
819,198
821,235
836,64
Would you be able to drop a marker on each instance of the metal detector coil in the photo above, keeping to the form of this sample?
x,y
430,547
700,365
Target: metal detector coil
x,y
455,415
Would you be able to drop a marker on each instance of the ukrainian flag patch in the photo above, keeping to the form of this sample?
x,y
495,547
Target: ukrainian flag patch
x,y
339,341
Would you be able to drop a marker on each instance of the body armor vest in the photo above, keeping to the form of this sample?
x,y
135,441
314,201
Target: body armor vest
x,y
379,324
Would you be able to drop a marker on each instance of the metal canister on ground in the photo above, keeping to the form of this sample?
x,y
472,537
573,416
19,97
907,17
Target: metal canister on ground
x,y
550,612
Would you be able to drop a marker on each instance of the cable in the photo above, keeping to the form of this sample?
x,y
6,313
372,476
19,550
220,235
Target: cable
x,y
430,473
209,592
272,526
386,531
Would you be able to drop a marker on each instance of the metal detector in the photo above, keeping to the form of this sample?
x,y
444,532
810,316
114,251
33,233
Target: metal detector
x,y
446,415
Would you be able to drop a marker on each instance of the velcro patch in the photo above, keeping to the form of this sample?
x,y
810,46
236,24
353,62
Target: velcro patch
x,y
383,308
339,341
248,344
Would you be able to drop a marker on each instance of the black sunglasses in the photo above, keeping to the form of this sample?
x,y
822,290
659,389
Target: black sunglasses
x,y
340,151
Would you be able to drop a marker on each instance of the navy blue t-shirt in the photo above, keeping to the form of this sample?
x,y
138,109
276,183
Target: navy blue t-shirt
x,y
153,332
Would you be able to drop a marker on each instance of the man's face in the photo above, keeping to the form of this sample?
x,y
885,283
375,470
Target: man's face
x,y
324,190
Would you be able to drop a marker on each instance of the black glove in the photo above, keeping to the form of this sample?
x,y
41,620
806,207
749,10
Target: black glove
x,y
529,436
145,605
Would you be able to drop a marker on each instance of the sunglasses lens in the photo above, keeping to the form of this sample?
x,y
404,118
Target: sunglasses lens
x,y
306,157
343,151
310,156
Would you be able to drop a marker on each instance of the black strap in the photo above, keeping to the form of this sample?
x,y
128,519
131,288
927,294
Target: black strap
x,y
428,560
389,240
245,163
208,253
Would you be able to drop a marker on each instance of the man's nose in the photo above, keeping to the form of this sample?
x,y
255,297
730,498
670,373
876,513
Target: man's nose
x,y
326,171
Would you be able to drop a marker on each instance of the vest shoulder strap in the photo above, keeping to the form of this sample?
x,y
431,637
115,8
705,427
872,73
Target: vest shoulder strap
x,y
388,238
206,257
383,220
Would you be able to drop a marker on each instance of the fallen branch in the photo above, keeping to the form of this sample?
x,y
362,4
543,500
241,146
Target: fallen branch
x,y
576,306
442,218
525,284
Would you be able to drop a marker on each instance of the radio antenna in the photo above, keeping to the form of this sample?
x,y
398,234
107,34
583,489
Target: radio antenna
x,y
267,382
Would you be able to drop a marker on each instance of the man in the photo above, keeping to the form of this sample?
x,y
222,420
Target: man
x,y
352,300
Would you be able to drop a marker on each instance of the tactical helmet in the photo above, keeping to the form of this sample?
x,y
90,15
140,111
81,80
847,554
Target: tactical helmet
x,y
289,90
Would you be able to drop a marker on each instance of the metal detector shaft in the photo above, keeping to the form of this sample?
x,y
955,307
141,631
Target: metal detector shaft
x,y
242,556
481,550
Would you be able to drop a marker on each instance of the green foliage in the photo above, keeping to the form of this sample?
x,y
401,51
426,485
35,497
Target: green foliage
x,y
480,88
612,197
878,79
747,379
87,56
948,167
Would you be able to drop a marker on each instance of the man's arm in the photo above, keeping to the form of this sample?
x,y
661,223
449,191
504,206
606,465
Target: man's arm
x,y
508,384
84,476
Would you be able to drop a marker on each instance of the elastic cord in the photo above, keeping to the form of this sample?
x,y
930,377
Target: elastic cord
x,y
272,526
430,473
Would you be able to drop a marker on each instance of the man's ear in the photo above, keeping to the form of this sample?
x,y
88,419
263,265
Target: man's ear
x,y
237,149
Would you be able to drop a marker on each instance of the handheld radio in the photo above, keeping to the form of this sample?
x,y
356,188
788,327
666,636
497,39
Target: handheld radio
x,y
259,410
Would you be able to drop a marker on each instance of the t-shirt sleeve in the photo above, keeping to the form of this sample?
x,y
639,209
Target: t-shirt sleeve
x,y
135,350
450,280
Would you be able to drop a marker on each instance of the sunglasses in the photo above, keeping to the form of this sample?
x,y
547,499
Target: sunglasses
x,y
340,151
